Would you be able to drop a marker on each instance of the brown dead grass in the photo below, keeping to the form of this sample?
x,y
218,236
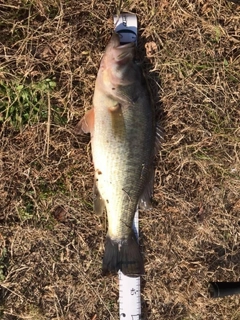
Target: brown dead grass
x,y
51,244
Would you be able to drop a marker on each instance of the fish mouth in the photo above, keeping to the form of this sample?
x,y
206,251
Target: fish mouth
x,y
122,52
116,43
126,45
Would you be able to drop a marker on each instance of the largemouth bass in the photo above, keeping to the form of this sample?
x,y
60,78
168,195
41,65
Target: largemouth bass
x,y
122,129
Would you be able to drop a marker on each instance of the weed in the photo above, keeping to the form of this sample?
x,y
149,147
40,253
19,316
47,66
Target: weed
x,y
3,263
23,103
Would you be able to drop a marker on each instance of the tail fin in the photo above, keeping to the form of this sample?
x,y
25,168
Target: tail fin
x,y
123,255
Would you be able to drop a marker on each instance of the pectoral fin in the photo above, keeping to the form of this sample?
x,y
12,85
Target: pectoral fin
x,y
86,124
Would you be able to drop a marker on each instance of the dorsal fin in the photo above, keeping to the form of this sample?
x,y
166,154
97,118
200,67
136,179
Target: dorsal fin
x,y
159,137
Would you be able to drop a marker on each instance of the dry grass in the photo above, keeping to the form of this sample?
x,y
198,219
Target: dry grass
x,y
51,244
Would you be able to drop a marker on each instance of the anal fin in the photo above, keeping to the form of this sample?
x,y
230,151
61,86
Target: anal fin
x,y
98,202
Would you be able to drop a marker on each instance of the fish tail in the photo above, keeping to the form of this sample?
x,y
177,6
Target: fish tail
x,y
123,255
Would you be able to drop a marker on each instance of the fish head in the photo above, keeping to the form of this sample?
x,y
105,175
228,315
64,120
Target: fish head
x,y
116,60
117,53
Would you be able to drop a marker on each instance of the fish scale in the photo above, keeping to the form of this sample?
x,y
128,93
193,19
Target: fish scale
x,y
120,157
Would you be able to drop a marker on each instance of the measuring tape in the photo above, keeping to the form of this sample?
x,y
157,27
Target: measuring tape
x,y
129,288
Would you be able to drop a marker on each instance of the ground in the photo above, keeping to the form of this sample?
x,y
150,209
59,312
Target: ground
x,y
51,244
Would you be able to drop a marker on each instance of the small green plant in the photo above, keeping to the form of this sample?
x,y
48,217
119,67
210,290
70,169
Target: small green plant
x,y
24,103
2,264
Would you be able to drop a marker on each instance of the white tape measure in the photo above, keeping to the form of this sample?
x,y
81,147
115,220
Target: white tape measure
x,y
126,26
129,288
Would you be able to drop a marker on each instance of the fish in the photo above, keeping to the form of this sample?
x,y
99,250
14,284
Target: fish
x,y
123,139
